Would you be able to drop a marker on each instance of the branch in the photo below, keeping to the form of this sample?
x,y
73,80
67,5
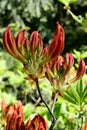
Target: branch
x,y
42,100
52,109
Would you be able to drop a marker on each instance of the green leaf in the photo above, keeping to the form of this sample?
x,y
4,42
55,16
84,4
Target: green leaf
x,y
67,2
72,1
57,109
28,110
84,55
74,94
69,98
79,88
84,96
77,54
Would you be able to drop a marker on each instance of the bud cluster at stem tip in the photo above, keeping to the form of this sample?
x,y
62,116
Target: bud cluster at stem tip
x,y
30,50
39,62
60,72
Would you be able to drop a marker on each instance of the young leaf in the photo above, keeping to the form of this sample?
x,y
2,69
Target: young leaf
x,y
79,88
69,98
84,96
67,2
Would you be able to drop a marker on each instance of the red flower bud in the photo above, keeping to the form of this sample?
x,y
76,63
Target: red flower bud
x,y
44,51
69,60
68,63
80,71
35,42
20,39
9,42
57,45
11,46
56,64
23,44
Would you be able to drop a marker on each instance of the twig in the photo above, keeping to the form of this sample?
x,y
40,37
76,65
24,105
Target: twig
x,y
54,101
52,109
51,113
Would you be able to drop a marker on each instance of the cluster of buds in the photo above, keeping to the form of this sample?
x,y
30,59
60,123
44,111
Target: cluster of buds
x,y
30,50
42,62
60,72
13,114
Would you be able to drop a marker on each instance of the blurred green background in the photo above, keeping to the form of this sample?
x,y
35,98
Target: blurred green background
x,y
41,15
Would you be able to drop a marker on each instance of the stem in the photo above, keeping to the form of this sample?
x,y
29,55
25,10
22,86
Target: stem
x,y
79,20
54,101
51,112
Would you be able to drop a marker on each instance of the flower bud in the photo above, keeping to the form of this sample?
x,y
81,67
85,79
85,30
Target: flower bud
x,y
23,44
20,39
9,42
44,51
57,45
13,114
68,63
57,64
85,127
69,60
35,42
80,71
37,123
11,46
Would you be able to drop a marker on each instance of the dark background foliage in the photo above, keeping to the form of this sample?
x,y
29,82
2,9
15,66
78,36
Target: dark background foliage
x,y
42,16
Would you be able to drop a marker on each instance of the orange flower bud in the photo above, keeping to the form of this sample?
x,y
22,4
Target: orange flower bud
x,y
36,43
37,123
85,127
15,118
57,45
13,114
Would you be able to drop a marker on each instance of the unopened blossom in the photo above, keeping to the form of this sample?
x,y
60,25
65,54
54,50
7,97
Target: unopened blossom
x,y
85,126
80,71
10,45
14,117
37,123
36,44
57,45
